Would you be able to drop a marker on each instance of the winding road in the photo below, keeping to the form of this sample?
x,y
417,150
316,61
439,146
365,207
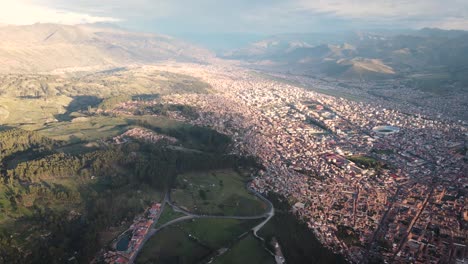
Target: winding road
x,y
189,215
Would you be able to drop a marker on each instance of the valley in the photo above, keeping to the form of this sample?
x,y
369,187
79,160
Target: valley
x,y
125,147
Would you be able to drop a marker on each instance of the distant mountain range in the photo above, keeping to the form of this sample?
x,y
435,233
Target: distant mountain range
x,y
46,47
432,53
429,58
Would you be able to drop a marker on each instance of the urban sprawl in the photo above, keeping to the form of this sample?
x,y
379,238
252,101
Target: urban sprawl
x,y
371,180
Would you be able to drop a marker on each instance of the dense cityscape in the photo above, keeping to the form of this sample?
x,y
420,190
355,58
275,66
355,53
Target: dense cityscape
x,y
371,181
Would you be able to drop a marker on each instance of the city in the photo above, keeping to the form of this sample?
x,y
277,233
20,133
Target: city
x,y
404,205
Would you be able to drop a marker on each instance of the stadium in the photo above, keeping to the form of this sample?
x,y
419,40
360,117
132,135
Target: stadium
x,y
385,130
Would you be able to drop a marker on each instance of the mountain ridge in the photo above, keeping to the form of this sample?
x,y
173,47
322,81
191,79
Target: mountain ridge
x,y
48,47
365,55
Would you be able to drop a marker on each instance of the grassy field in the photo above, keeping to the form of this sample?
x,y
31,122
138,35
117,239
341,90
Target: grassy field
x,y
192,241
247,250
168,215
90,129
216,233
220,192
80,148
172,246
365,161
86,129
30,112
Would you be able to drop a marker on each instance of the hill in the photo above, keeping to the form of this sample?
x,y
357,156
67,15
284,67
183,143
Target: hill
x,y
357,68
46,47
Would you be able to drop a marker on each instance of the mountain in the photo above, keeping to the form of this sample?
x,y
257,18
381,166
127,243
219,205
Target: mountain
x,y
274,45
46,47
439,55
371,69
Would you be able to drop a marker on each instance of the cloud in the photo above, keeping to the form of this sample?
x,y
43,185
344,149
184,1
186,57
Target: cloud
x,y
449,14
170,16
255,16
123,9
387,8
447,23
18,12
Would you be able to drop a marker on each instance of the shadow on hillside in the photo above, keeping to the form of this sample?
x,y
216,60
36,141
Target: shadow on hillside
x,y
5,127
79,103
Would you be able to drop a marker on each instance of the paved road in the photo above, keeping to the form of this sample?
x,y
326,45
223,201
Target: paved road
x,y
189,215
384,217
410,227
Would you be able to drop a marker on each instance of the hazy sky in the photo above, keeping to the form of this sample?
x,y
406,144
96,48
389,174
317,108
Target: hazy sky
x,y
251,16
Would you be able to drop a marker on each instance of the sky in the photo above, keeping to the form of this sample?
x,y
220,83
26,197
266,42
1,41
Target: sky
x,y
241,16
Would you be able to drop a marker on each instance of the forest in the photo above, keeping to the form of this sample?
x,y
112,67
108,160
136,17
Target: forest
x,y
54,206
